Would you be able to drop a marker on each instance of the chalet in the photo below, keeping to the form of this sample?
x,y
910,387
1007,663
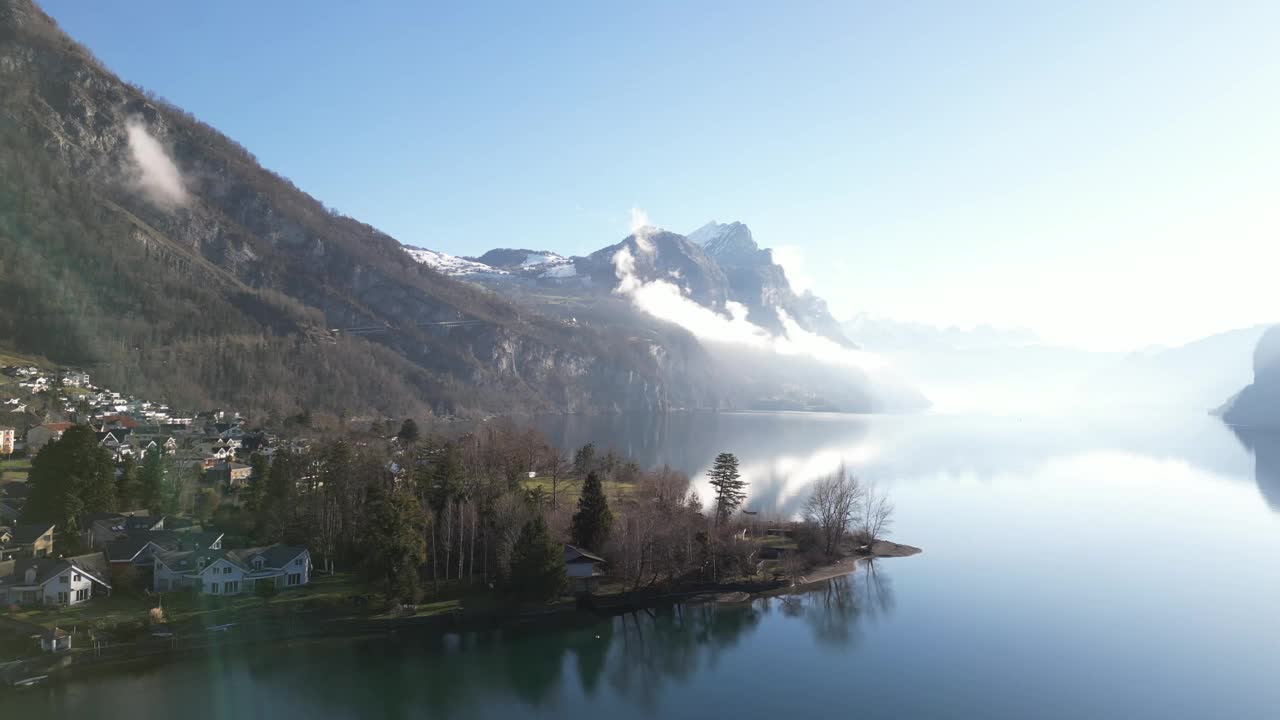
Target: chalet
x,y
6,440
28,541
232,572
41,435
54,581
583,568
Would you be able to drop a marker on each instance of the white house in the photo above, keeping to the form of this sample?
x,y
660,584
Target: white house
x,y
232,572
54,581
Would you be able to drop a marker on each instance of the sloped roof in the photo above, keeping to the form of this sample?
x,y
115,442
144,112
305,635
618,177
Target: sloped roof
x,y
27,534
94,566
572,554
273,556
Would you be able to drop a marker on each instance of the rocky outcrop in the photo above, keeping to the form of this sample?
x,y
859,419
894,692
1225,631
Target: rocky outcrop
x,y
1258,405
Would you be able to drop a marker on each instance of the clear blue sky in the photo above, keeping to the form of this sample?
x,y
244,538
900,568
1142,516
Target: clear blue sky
x,y
1105,173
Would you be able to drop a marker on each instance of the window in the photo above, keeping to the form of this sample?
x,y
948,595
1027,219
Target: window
x,y
62,597
213,588
295,578
64,579
82,594
298,562
226,570
77,577
230,586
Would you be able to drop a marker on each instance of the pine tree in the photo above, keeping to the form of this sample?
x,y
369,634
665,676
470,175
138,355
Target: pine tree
x,y
408,431
70,476
127,483
394,546
537,564
150,487
729,486
593,520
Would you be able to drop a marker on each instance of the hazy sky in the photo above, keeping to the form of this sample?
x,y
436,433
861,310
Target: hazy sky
x,y
1107,174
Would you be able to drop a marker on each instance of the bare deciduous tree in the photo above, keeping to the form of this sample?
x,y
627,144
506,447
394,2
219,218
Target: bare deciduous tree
x,y
875,516
836,500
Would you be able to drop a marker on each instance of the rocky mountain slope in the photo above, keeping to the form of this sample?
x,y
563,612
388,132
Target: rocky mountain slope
x,y
1258,404
153,249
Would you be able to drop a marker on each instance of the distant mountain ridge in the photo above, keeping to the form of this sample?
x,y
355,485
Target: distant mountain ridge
x,y
715,264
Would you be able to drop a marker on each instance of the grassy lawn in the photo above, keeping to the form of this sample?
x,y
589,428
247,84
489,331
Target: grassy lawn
x,y
12,469
569,489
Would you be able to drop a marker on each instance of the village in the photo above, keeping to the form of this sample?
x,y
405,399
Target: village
x,y
152,552
128,528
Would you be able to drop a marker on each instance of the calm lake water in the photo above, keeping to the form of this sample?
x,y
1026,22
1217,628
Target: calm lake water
x,y
1082,568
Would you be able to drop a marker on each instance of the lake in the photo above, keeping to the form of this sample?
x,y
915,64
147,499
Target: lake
x,y
1072,568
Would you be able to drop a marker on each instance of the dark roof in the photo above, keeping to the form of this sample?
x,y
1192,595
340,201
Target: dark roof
x,y
94,565
576,554
27,534
168,541
273,556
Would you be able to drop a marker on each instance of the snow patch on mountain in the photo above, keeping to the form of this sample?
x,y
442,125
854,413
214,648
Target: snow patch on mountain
x,y
542,259
451,265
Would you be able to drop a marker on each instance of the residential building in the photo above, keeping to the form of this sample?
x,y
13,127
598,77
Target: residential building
x,y
232,572
583,568
6,440
29,541
41,435
54,581
138,549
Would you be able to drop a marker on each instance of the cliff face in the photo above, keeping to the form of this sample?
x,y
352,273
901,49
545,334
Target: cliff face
x,y
1258,405
177,247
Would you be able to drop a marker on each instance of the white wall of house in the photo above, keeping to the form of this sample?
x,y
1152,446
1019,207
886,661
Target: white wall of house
x,y
222,578
70,587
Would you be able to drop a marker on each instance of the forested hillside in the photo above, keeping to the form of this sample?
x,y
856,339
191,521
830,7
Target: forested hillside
x,y
224,287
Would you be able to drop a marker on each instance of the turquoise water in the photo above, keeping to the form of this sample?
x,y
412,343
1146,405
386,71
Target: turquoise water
x,y
1072,568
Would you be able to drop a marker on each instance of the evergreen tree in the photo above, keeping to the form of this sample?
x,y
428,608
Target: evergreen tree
x,y
394,546
584,461
127,483
256,489
729,486
537,563
70,476
408,431
593,520
150,486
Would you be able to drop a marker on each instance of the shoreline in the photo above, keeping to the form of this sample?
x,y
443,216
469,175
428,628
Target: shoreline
x,y
58,668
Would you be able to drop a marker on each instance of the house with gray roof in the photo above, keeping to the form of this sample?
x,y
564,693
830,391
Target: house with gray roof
x,y
53,581
232,572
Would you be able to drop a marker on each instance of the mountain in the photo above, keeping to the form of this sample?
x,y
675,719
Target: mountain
x,y
1258,404
150,248
760,284
759,344
714,265
988,368
147,246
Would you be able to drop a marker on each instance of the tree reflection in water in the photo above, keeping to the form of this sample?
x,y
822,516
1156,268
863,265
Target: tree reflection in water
x,y
634,658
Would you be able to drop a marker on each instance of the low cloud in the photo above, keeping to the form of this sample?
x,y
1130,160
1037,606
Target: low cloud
x,y
642,230
667,301
151,172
